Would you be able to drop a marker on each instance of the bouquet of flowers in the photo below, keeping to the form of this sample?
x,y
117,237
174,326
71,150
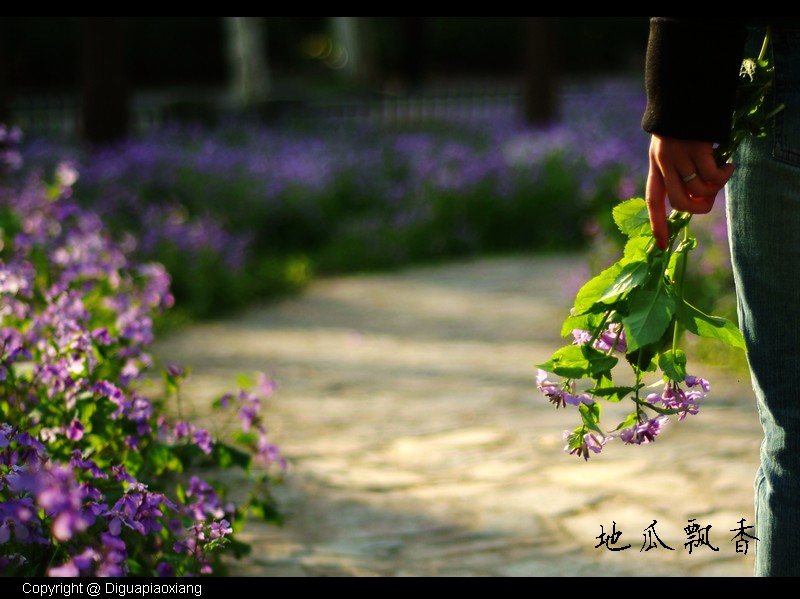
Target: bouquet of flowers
x,y
635,312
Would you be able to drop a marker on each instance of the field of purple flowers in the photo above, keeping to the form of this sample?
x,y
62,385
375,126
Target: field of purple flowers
x,y
96,475
260,209
97,248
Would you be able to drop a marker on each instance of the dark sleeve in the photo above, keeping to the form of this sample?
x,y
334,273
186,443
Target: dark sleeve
x,y
692,71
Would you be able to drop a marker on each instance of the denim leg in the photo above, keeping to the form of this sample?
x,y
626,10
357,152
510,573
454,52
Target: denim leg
x,y
763,203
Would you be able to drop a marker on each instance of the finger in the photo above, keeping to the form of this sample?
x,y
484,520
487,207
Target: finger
x,y
707,168
683,202
697,191
701,205
709,180
694,197
656,198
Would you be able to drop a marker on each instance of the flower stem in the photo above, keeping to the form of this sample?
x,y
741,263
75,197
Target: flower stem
x,y
681,284
765,45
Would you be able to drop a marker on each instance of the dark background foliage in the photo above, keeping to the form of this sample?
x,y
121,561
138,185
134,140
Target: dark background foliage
x,y
168,51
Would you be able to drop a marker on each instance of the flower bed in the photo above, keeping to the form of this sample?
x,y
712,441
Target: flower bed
x,y
98,477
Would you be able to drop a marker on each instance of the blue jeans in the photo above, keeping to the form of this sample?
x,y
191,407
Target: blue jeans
x,y
763,204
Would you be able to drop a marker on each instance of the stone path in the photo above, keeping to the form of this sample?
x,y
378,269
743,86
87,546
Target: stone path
x,y
420,447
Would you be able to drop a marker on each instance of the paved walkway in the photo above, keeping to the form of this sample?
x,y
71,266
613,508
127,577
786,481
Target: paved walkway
x,y
419,445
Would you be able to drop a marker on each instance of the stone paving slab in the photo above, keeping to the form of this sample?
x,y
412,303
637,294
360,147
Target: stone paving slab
x,y
420,447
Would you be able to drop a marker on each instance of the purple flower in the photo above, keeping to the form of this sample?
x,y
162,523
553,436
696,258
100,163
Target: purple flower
x,y
114,394
612,339
76,430
62,500
686,402
249,415
644,433
207,501
10,157
581,337
176,372
56,492
218,530
550,390
19,516
78,462
130,371
266,385
558,395
139,510
120,473
203,440
693,381
583,445
225,400
112,561
101,336
80,564
267,453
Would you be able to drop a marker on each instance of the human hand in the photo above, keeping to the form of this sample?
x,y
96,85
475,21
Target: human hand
x,y
687,173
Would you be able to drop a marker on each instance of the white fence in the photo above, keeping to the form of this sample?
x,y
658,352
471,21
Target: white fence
x,y
60,114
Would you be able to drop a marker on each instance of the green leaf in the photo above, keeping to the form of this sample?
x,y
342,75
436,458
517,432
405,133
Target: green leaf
x,y
575,438
613,394
133,462
578,362
246,439
673,365
643,359
603,380
631,420
630,277
86,409
662,411
591,417
632,218
244,381
591,292
636,249
584,322
238,549
135,568
710,327
228,457
265,510
180,492
161,459
651,313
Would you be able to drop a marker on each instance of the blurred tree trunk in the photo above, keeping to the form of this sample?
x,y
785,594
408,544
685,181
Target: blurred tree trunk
x,y
247,57
105,108
5,114
541,72
355,37
413,36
